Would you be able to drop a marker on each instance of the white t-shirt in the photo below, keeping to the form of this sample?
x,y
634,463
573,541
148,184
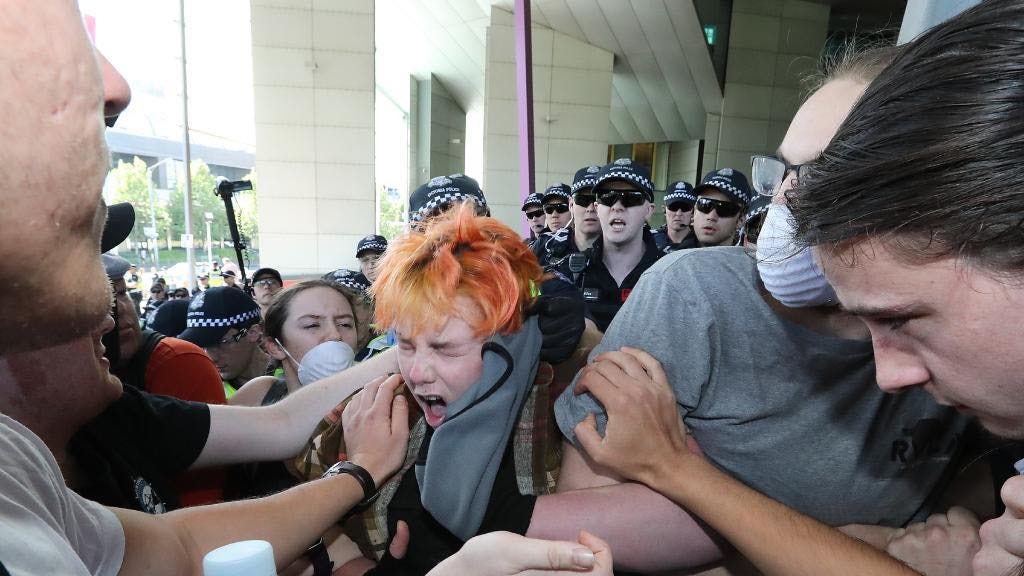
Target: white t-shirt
x,y
45,528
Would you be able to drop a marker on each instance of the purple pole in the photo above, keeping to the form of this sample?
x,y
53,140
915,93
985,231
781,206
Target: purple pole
x,y
524,102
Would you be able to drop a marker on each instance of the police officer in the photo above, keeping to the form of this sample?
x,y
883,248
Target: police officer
x,y
606,273
534,212
584,226
677,234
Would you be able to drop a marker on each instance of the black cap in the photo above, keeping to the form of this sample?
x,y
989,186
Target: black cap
x,y
169,318
120,221
557,190
349,279
728,181
680,191
226,273
441,193
625,169
373,242
585,178
213,312
265,272
531,200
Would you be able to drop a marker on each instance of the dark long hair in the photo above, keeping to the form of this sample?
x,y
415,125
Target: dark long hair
x,y
931,156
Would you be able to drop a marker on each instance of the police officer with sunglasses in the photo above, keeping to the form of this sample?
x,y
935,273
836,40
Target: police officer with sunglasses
x,y
677,234
606,273
722,199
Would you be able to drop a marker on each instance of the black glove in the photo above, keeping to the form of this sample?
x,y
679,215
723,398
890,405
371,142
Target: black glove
x,y
561,324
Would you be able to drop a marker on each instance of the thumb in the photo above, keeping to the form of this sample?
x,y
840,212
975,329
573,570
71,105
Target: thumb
x,y
400,543
587,435
399,415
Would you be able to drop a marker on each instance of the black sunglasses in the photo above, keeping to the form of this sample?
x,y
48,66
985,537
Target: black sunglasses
x,y
583,200
629,198
560,208
723,208
677,206
534,214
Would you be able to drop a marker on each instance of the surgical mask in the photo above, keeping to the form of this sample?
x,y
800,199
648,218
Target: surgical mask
x,y
788,272
323,360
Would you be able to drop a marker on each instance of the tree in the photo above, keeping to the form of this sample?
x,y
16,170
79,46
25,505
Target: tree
x,y
392,214
129,182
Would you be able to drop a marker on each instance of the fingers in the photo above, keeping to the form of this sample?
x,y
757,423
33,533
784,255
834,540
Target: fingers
x,y
597,382
959,516
534,554
400,415
649,363
625,362
400,543
1012,494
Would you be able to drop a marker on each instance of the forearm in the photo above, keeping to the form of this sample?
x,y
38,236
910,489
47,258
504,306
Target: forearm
x,y
777,539
291,521
646,532
279,432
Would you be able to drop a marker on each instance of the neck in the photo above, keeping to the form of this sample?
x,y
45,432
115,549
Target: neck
x,y
257,367
621,259
677,236
291,376
584,241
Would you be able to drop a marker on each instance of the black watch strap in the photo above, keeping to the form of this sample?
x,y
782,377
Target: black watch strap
x,y
360,474
320,559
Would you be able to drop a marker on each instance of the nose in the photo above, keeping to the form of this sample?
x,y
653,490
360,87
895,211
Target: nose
x,y
116,92
421,371
331,332
897,369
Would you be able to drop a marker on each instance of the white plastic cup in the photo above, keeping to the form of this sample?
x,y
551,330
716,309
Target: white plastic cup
x,y
245,558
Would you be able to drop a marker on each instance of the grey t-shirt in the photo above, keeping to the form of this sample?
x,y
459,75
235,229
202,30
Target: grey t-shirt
x,y
792,413
46,528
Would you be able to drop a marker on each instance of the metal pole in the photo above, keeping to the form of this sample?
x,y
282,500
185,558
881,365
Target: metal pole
x,y
209,247
190,281
152,219
524,101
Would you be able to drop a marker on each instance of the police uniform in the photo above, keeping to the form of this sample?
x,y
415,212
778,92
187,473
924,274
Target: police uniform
x,y
680,191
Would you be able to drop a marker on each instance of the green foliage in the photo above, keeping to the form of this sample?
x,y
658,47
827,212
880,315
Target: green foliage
x,y
392,216
130,183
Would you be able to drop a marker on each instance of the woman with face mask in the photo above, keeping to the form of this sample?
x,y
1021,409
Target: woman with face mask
x,y
313,329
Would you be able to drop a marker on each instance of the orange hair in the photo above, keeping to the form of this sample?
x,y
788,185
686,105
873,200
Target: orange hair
x,y
458,254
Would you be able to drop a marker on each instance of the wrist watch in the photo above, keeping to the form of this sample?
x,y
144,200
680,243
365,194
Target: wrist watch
x,y
360,474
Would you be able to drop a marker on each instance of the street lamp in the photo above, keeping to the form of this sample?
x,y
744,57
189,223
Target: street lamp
x,y
152,209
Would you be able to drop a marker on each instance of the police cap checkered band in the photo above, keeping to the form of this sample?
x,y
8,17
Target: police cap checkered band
x,y
372,242
759,205
624,169
728,181
680,191
557,190
532,199
213,312
585,178
348,279
442,192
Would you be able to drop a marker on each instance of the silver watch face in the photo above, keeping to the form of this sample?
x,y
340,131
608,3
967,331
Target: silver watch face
x,y
333,470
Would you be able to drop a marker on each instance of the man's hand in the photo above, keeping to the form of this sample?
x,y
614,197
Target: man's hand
x,y
507,554
561,325
376,425
1002,539
644,428
943,545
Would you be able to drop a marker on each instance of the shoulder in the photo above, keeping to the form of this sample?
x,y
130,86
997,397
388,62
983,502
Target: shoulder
x,y
252,392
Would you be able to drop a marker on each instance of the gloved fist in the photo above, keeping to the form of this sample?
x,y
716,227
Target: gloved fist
x,y
561,323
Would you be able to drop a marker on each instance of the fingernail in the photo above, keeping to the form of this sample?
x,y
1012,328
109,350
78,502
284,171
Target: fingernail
x,y
583,558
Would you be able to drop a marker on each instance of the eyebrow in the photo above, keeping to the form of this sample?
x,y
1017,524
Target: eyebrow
x,y
319,316
894,311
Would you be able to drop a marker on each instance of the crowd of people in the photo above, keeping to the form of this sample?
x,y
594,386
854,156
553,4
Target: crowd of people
x,y
601,396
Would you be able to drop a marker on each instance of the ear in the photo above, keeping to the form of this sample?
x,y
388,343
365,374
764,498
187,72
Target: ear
x,y
650,210
275,351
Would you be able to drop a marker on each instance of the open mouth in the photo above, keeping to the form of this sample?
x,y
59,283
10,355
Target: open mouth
x,y
709,230
617,224
434,408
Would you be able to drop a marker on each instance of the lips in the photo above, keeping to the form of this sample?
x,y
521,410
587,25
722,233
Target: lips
x,y
434,408
617,224
709,229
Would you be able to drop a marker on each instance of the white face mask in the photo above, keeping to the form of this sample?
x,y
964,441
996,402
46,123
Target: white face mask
x,y
789,273
323,360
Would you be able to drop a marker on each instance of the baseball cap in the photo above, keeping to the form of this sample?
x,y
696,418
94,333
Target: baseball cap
x,y
265,272
213,312
625,169
115,266
532,199
557,190
728,181
373,242
680,191
226,273
441,193
169,318
119,224
349,279
585,178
